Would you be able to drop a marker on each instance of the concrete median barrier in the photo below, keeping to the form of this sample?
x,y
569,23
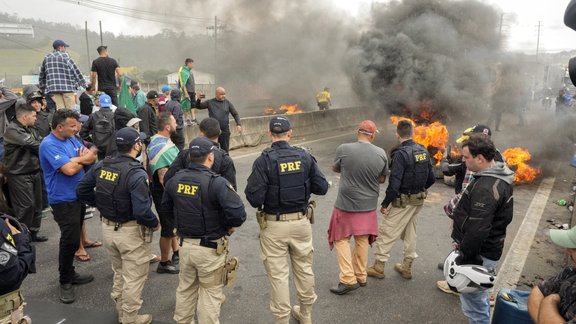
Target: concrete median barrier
x,y
304,125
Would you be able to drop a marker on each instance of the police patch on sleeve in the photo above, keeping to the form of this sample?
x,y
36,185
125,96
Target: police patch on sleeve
x,y
8,248
4,258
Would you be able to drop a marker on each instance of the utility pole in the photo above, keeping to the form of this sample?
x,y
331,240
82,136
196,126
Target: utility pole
x,y
215,28
101,41
538,42
87,44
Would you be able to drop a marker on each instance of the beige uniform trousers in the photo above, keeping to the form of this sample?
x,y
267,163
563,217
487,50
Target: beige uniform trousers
x,y
64,100
399,224
352,266
130,256
201,282
14,318
278,241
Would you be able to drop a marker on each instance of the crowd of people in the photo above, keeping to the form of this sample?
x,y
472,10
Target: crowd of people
x,y
134,168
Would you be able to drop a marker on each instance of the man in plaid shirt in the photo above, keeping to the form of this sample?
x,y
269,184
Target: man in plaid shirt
x,y
60,77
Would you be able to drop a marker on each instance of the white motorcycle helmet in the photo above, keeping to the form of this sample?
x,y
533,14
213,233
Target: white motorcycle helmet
x,y
467,278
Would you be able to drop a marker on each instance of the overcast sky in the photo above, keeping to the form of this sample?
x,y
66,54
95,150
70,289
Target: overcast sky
x,y
521,18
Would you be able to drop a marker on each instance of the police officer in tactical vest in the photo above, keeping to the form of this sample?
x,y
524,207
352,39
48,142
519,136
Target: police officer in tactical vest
x,y
17,259
282,180
411,174
118,187
205,210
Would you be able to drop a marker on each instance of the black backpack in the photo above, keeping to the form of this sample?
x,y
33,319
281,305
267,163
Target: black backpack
x,y
103,128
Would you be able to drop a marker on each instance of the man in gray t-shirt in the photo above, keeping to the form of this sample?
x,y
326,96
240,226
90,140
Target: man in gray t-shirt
x,y
363,166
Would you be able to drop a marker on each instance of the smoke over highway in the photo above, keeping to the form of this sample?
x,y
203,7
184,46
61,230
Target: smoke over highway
x,y
439,52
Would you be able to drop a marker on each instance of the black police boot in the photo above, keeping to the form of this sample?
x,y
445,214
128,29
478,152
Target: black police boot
x,y
67,295
79,279
34,237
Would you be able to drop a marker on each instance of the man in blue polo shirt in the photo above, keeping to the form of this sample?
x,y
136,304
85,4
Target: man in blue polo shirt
x,y
63,158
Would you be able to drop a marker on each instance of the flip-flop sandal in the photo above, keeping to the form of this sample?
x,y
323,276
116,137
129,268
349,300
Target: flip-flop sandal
x,y
94,244
82,257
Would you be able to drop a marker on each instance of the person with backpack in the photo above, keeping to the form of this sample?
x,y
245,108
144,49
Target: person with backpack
x,y
100,126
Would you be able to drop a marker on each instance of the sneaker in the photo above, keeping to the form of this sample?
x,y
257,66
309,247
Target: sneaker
x,y
79,279
67,295
443,285
88,215
167,267
343,288
90,209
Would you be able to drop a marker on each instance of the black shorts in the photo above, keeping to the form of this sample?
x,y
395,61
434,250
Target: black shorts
x,y
166,226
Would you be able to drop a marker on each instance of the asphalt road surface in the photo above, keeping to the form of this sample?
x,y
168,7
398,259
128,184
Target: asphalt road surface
x,y
391,300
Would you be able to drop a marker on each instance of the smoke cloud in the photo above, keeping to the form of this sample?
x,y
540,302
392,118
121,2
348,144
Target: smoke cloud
x,y
427,54
281,52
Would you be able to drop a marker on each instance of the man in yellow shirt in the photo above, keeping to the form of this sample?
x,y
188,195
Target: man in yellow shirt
x,y
323,99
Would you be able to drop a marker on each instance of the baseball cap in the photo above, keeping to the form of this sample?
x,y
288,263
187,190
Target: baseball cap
x,y
162,100
477,129
34,95
279,124
57,43
165,88
200,146
152,94
564,238
368,127
105,100
133,122
83,118
129,135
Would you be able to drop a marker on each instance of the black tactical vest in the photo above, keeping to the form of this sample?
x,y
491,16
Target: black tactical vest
x,y
416,172
196,213
289,184
112,192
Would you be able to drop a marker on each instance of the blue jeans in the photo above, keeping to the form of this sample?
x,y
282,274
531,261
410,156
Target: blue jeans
x,y
476,305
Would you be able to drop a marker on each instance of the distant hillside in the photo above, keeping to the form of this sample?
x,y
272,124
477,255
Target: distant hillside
x,y
164,51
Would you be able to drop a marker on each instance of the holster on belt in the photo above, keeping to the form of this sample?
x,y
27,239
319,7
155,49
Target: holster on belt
x,y
222,245
310,211
261,218
146,233
230,270
10,302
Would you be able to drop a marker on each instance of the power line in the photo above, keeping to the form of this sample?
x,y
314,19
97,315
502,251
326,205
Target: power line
x,y
22,44
136,13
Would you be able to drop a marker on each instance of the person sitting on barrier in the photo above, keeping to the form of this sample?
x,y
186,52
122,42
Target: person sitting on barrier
x,y
554,299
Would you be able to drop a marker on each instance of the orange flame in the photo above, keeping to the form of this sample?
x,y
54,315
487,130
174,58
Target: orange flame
x,y
517,158
433,136
291,109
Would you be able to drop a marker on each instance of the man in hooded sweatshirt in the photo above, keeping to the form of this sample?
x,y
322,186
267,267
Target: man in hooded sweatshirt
x,y
173,106
481,217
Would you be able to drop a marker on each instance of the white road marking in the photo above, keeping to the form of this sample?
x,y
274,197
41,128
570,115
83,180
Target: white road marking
x,y
511,268
62,321
296,143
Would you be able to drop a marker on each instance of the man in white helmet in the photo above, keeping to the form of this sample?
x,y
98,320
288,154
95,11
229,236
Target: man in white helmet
x,y
481,217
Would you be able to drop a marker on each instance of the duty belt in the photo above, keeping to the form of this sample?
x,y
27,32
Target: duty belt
x,y
117,225
10,302
200,241
285,217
